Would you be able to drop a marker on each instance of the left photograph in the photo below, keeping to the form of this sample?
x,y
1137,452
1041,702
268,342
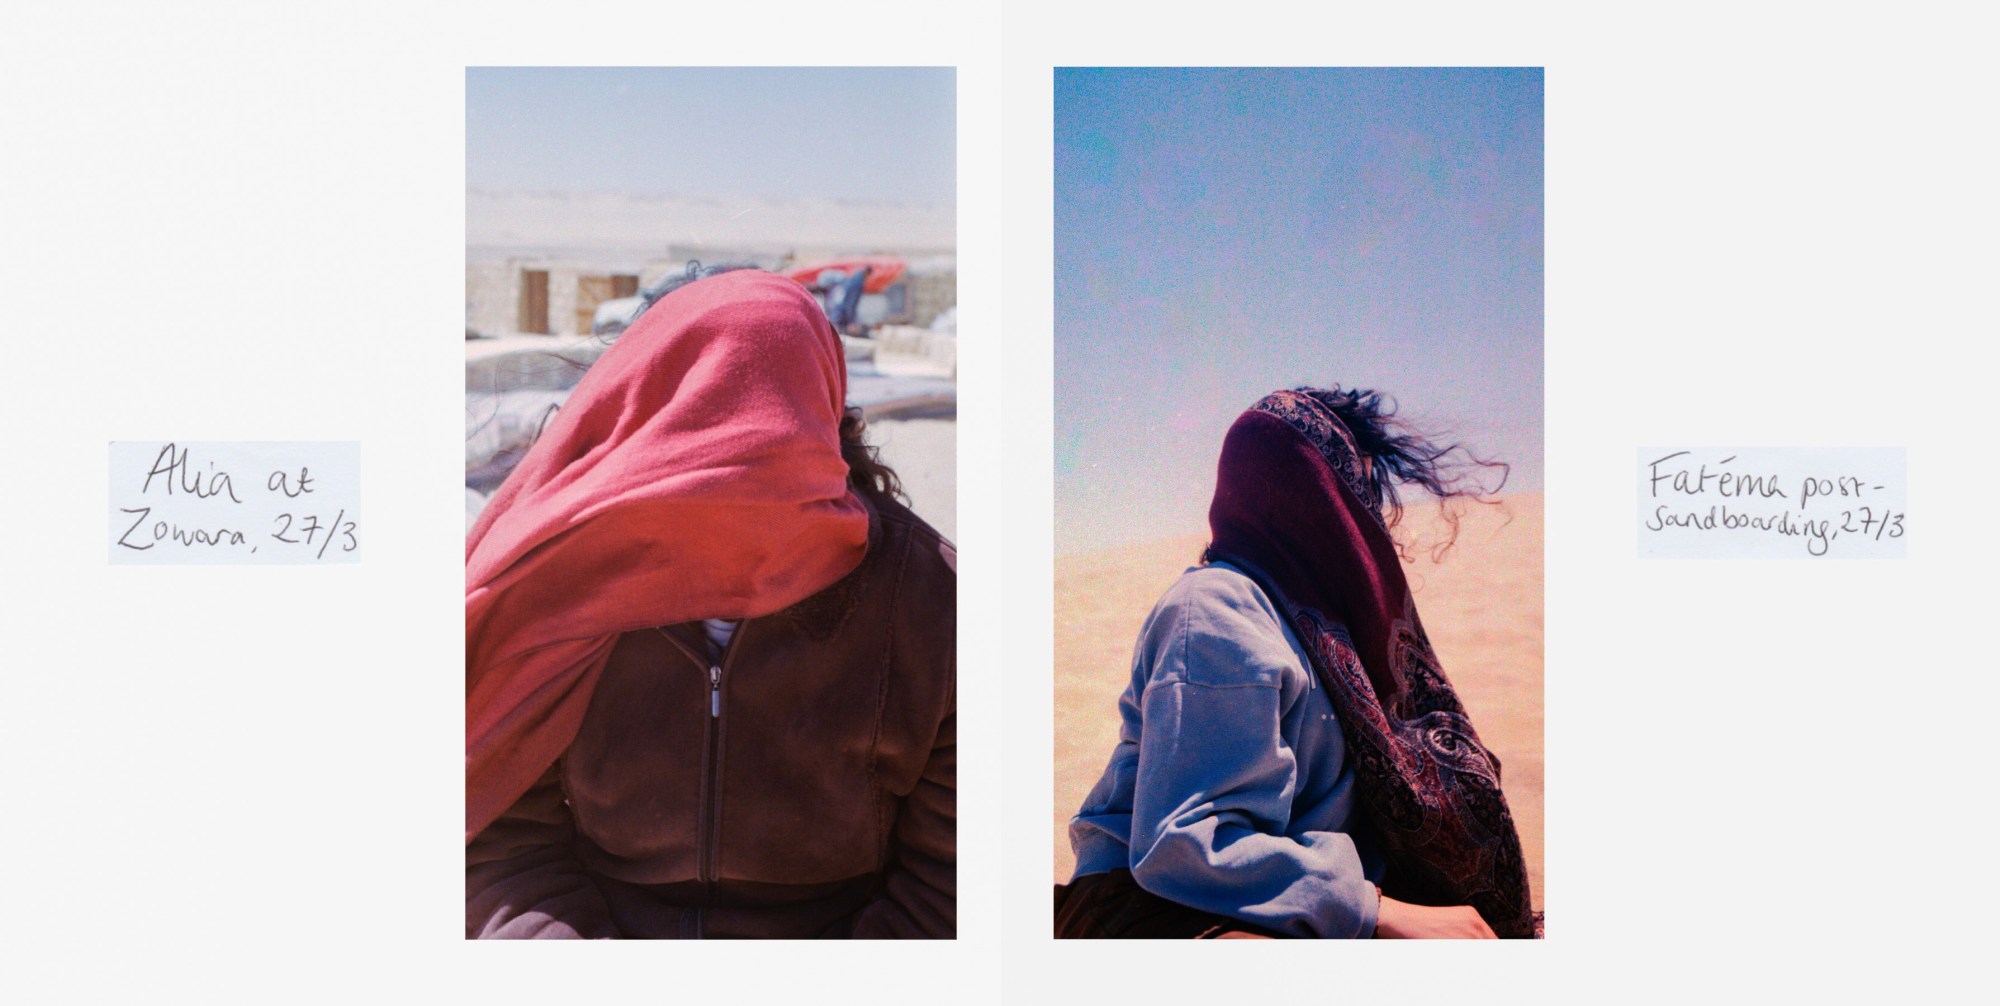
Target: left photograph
x,y
710,590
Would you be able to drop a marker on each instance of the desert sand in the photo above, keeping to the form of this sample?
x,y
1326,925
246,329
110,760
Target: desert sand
x,y
1482,606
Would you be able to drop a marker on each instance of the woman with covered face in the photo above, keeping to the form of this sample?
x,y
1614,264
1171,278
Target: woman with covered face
x,y
1291,760
709,655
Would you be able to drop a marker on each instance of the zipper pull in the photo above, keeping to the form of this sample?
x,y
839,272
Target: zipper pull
x,y
714,691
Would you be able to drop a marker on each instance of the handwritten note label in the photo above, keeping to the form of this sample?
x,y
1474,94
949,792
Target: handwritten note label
x,y
1772,503
235,503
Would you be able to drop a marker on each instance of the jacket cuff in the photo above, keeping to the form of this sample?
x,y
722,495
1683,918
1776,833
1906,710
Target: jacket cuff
x,y
1371,912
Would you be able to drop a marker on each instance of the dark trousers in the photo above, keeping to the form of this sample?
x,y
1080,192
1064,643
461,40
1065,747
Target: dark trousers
x,y
1112,906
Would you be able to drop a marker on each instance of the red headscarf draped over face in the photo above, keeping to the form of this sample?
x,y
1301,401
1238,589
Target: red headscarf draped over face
x,y
1294,506
694,473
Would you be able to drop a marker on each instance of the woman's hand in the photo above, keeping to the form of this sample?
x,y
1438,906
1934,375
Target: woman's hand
x,y
1400,920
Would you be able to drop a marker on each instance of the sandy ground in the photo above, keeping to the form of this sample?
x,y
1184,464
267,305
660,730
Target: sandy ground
x,y
924,453
1482,607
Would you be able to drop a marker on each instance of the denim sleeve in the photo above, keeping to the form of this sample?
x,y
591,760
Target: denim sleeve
x,y
1217,778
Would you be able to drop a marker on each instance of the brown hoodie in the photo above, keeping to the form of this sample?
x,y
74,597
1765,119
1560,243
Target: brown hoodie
x,y
802,786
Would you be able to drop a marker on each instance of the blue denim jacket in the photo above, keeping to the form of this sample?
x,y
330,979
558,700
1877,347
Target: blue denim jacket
x,y
1229,790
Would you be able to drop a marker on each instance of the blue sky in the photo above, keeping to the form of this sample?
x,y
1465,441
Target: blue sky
x,y
858,133
1223,232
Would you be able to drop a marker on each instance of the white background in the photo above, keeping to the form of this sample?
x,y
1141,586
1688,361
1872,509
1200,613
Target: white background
x,y
1813,503
232,221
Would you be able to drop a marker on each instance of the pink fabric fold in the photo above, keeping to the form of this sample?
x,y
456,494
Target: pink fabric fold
x,y
695,472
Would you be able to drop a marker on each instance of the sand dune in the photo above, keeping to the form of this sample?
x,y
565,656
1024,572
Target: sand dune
x,y
1482,607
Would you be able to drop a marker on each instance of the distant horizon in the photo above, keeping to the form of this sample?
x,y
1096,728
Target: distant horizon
x,y
696,197
1412,509
625,224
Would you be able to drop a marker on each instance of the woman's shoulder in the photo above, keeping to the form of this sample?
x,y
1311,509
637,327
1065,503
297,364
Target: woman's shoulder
x,y
908,573
926,545
1216,626
1220,596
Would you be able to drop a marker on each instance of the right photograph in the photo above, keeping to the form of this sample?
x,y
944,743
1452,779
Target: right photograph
x,y
1298,503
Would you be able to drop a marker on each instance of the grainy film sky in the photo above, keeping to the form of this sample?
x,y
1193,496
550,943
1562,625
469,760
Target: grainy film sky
x,y
879,134
1220,233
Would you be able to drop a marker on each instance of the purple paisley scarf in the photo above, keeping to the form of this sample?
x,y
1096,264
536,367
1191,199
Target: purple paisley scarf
x,y
1292,505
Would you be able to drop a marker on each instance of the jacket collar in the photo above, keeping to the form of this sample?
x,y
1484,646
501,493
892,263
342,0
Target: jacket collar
x,y
821,615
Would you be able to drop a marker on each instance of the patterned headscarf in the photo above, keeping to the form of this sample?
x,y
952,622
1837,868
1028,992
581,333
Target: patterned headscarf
x,y
1294,505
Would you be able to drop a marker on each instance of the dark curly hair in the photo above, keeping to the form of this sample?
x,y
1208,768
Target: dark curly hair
x,y
865,470
1400,453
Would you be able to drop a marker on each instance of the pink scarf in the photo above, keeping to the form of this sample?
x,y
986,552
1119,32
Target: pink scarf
x,y
694,473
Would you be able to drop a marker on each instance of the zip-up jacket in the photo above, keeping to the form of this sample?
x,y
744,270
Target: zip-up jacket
x,y
802,784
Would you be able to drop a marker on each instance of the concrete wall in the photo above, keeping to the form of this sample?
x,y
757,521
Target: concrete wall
x,y
930,294
493,293
562,301
910,351
492,296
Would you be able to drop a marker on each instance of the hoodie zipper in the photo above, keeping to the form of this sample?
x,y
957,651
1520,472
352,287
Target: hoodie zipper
x,y
705,842
710,810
